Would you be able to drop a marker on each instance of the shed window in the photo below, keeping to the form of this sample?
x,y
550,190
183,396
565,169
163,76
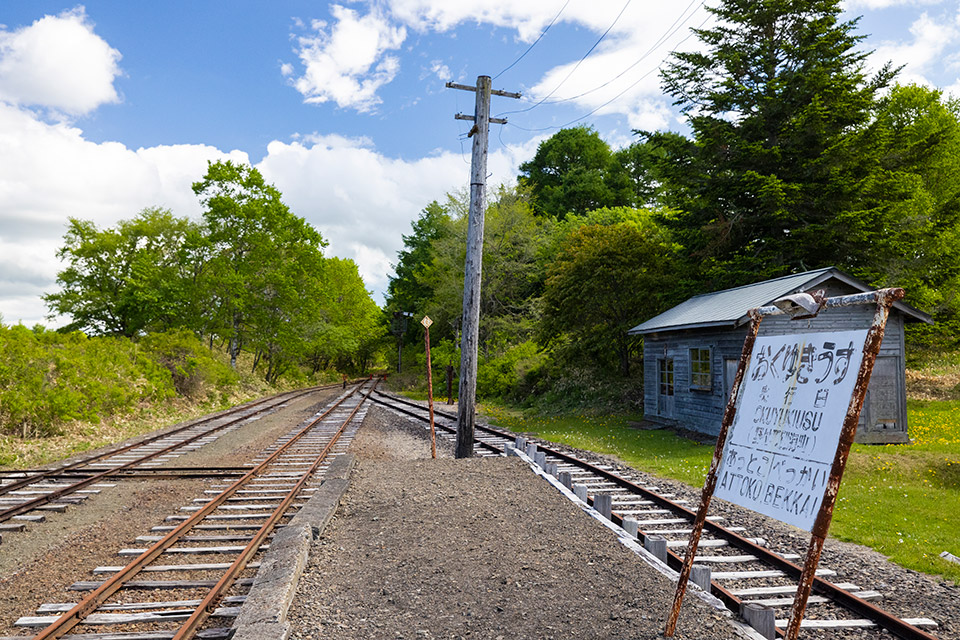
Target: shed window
x,y
700,374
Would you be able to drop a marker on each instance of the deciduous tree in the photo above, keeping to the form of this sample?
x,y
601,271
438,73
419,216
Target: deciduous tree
x,y
128,279
574,171
266,267
609,273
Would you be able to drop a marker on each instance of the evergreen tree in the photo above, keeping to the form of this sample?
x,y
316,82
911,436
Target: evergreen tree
x,y
771,101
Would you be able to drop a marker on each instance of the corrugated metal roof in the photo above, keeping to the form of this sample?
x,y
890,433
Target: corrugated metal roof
x,y
729,307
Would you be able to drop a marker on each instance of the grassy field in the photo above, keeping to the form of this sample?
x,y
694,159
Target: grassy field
x,y
902,500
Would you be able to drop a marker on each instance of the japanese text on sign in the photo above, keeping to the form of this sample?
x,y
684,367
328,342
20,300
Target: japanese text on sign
x,y
793,400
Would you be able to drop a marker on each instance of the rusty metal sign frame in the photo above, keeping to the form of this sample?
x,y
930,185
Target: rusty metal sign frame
x,y
426,322
883,299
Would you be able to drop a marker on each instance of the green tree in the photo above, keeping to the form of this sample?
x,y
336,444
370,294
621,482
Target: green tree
x,y
609,272
266,269
638,163
910,204
510,280
771,101
129,279
574,171
405,291
349,328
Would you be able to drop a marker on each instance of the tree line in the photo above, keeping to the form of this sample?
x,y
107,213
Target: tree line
x,y
796,158
250,276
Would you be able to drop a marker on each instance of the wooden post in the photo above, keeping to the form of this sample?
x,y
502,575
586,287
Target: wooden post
x,y
466,412
657,545
473,264
603,502
760,618
701,575
426,322
580,490
885,299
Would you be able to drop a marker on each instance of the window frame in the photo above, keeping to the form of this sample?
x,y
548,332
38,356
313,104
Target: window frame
x,y
666,377
700,379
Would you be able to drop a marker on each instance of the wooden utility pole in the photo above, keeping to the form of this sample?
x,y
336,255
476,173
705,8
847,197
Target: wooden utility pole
x,y
472,269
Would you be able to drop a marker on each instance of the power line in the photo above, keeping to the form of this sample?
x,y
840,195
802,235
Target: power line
x,y
671,30
542,33
613,99
576,66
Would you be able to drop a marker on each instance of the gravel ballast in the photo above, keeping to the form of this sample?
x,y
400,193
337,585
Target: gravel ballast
x,y
478,548
906,593
37,565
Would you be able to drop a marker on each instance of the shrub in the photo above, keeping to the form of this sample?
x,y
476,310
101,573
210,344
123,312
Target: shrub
x,y
499,376
192,367
47,379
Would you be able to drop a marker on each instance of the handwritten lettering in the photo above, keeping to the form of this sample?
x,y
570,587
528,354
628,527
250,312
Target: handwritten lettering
x,y
781,445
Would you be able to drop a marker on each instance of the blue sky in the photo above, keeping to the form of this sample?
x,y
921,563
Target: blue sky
x,y
108,107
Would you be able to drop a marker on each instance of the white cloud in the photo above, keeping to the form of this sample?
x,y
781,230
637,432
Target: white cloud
x,y
528,17
932,38
50,172
58,63
857,5
441,70
621,75
347,62
361,200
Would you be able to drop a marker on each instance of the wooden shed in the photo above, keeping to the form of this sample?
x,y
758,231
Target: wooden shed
x,y
691,352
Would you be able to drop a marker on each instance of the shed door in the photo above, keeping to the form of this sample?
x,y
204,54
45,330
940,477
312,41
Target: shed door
x,y
880,405
665,387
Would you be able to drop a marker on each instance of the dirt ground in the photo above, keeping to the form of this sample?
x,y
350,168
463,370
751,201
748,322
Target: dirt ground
x,y
38,564
478,548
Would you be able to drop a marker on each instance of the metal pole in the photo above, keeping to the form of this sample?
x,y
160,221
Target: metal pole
x,y
885,299
449,384
433,432
711,481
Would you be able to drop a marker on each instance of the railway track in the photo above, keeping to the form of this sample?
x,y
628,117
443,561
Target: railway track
x,y
193,571
737,568
26,494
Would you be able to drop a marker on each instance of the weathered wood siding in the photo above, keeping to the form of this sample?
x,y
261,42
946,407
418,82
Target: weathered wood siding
x,y
694,409
884,416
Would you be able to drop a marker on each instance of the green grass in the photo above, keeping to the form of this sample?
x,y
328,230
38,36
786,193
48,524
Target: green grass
x,y
902,500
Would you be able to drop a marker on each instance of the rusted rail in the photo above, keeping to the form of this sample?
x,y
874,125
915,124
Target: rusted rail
x,y
66,622
209,603
44,474
129,467
841,597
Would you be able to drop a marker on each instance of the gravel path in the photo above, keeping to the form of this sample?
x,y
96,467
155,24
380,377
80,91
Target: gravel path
x,y
478,548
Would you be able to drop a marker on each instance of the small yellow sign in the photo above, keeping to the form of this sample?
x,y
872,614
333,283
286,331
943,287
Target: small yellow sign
x,y
426,322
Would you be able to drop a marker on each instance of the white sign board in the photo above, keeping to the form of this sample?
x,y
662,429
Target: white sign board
x,y
784,437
